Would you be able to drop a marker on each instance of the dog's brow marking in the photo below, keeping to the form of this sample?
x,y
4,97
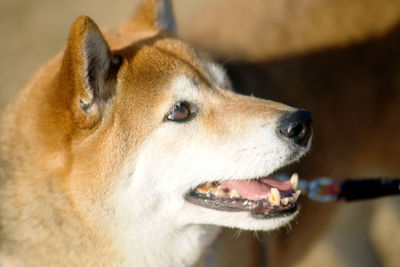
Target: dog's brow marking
x,y
186,89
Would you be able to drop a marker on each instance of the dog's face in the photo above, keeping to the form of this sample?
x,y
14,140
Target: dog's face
x,y
205,145
170,143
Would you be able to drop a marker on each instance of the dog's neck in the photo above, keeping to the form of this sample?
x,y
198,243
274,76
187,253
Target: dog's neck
x,y
168,246
143,243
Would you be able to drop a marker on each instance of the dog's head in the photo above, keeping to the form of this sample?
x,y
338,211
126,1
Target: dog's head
x,y
157,136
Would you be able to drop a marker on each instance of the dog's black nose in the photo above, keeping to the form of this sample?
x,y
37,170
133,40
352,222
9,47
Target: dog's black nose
x,y
296,126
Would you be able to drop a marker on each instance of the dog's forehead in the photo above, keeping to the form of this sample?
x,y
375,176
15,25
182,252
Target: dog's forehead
x,y
160,59
163,52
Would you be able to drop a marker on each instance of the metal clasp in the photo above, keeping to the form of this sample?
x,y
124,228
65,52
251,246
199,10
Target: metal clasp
x,y
324,189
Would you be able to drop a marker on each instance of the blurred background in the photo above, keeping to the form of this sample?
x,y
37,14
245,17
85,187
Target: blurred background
x,y
339,59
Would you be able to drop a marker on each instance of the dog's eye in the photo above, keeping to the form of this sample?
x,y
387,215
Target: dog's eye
x,y
180,112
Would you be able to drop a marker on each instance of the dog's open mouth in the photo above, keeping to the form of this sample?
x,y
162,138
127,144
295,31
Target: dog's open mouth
x,y
263,197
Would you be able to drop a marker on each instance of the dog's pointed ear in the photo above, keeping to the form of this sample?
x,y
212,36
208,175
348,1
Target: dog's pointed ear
x,y
88,71
153,14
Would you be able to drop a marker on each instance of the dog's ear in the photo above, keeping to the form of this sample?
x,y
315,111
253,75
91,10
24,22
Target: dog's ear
x,y
88,72
152,14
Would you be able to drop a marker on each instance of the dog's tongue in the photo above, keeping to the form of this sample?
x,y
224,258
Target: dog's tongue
x,y
257,189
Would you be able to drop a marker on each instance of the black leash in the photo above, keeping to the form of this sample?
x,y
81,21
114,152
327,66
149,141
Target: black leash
x,y
327,189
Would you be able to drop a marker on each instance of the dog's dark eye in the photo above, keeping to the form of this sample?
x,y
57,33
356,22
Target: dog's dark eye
x,y
180,112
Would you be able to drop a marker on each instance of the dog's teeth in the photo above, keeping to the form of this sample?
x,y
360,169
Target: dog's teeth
x,y
294,181
234,194
218,192
275,197
296,195
285,201
205,188
202,190
212,190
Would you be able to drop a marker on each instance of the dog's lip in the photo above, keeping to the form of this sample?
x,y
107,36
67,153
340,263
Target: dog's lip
x,y
264,197
259,209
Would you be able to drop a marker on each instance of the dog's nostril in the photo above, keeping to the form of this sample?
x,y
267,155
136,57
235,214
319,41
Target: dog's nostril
x,y
296,126
293,130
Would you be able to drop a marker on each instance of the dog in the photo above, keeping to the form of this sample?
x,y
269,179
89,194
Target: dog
x,y
128,149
